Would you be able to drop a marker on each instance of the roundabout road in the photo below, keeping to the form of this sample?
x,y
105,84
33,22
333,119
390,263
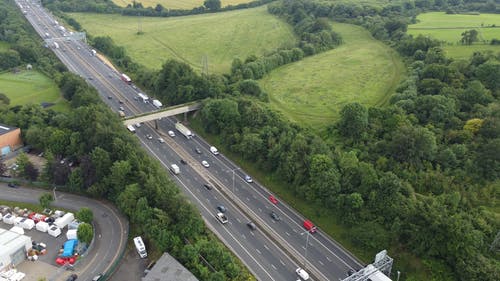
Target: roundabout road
x,y
111,227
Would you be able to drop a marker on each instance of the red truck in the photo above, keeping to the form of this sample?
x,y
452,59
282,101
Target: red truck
x,y
309,226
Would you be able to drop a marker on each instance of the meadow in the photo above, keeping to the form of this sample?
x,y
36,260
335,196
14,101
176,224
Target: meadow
x,y
448,28
177,4
313,91
28,87
220,37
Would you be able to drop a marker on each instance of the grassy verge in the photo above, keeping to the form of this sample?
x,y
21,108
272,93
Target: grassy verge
x,y
178,4
313,91
449,28
218,37
28,87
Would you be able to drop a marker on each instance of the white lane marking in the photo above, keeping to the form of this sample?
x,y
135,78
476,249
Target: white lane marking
x,y
321,263
287,233
257,250
328,258
272,265
265,246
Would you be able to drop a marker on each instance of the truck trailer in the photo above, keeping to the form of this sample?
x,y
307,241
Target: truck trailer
x,y
143,97
184,130
131,128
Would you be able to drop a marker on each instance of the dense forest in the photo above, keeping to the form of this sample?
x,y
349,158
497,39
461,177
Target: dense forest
x,y
421,174
108,162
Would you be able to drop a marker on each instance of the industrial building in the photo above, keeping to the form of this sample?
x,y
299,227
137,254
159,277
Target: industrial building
x,y
13,248
10,139
168,268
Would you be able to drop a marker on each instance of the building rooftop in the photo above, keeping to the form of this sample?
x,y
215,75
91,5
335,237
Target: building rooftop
x,y
168,268
4,129
10,241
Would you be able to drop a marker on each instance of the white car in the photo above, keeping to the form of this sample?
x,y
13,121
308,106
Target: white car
x,y
171,133
214,150
302,274
138,125
161,140
248,179
205,164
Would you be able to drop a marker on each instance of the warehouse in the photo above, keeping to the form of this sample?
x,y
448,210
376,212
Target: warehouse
x,y
13,248
10,139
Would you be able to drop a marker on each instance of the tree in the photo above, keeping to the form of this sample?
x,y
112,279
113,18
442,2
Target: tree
x,y
3,167
4,99
469,37
85,232
212,5
45,200
353,120
31,172
85,215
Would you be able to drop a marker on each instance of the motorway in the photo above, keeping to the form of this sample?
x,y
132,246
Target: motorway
x,y
111,228
276,248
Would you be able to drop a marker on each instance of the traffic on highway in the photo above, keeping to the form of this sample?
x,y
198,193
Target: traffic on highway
x,y
273,240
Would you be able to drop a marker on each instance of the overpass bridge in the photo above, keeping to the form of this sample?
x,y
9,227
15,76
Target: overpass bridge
x,y
164,112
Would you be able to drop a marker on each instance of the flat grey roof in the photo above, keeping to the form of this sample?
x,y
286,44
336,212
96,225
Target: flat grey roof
x,y
168,268
4,129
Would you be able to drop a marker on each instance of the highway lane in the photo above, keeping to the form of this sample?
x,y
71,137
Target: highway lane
x,y
111,227
254,195
272,263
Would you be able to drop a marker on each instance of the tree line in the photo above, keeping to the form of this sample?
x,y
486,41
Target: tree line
x,y
88,151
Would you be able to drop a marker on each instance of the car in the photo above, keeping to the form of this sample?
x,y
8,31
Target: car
x,y
12,185
136,98
171,133
248,179
183,161
197,150
275,216
302,273
138,125
221,208
110,97
161,140
350,272
120,102
72,277
205,164
214,150
273,199
98,277
149,137
121,108
251,225
207,186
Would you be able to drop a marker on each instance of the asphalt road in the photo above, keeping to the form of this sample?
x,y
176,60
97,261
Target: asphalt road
x,y
111,228
272,252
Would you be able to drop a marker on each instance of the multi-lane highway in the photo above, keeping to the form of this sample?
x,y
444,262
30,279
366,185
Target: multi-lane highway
x,y
276,248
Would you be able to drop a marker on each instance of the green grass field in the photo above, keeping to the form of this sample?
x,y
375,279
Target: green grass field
x,y
219,36
31,87
312,91
448,28
4,46
178,4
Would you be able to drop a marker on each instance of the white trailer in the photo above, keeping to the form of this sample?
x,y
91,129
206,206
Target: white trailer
x,y
71,234
28,224
64,220
184,130
131,128
143,97
56,45
54,231
157,103
42,226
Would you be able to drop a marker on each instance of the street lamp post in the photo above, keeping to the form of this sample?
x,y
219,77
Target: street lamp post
x,y
233,170
307,243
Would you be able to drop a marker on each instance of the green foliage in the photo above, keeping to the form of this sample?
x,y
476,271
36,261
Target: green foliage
x,y
85,215
85,232
212,5
45,200
353,120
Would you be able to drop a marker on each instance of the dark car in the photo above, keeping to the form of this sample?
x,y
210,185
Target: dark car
x,y
207,186
350,272
120,102
251,225
12,185
275,216
184,162
72,277
110,97
221,208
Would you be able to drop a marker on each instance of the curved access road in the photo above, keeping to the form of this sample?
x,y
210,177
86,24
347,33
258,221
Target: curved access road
x,y
111,227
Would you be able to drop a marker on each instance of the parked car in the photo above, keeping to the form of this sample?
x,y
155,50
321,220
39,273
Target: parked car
x,y
12,185
205,164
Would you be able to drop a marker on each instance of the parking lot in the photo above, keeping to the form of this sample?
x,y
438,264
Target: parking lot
x,y
45,266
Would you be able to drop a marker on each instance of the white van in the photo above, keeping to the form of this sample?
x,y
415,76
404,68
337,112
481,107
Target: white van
x,y
214,150
302,274
139,246
175,169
